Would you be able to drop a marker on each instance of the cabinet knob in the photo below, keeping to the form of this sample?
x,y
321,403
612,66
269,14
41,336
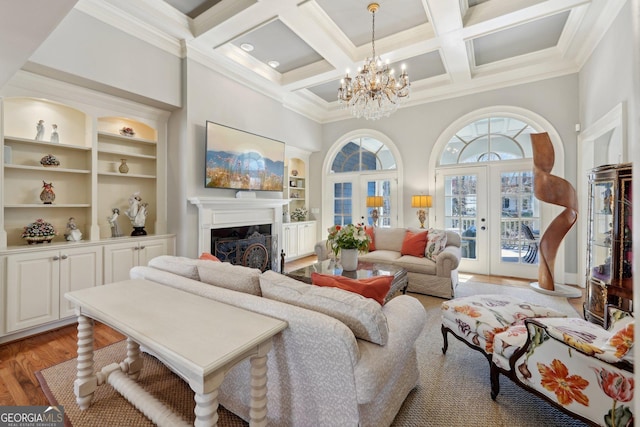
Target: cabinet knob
x,y
136,248
56,257
141,247
64,256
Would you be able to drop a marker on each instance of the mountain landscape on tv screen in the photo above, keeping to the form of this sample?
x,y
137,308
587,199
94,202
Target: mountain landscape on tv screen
x,y
243,171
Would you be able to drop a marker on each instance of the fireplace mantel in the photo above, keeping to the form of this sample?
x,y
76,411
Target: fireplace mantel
x,y
222,212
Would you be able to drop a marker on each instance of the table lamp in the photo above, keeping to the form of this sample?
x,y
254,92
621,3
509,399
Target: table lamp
x,y
375,202
421,201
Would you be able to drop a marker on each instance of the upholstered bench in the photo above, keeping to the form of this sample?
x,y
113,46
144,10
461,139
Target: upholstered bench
x,y
475,320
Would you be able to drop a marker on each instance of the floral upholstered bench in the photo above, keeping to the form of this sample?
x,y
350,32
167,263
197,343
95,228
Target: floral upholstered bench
x,y
475,320
579,367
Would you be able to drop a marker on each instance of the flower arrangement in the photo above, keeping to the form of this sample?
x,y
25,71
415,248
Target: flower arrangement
x,y
299,214
39,231
348,237
126,131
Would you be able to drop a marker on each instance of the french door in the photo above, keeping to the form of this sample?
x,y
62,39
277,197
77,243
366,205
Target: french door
x,y
349,199
496,213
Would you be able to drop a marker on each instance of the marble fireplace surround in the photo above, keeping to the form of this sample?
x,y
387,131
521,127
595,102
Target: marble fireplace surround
x,y
224,212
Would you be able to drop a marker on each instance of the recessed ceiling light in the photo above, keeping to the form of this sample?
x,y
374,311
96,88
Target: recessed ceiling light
x,y
247,47
273,64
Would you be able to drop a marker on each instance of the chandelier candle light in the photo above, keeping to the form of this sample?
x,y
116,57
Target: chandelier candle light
x,y
374,92
421,201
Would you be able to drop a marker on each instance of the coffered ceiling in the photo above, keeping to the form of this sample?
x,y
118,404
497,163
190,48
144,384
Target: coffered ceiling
x,y
450,47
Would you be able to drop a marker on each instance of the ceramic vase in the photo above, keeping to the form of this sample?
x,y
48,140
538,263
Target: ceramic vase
x,y
349,259
123,168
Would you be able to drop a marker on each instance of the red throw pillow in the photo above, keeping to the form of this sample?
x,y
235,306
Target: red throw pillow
x,y
414,244
207,256
372,243
376,287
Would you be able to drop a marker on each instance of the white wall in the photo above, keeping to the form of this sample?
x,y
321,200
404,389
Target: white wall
x,y
415,130
86,51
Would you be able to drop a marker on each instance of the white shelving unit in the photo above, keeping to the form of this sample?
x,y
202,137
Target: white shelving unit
x,y
87,186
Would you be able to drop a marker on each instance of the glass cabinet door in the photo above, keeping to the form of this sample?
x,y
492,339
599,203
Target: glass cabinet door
x,y
602,231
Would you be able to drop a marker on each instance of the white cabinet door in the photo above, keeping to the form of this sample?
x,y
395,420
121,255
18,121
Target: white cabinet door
x,y
306,238
119,258
153,248
80,268
290,240
33,291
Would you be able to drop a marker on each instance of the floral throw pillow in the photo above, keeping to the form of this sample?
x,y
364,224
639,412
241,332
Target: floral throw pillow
x,y
436,242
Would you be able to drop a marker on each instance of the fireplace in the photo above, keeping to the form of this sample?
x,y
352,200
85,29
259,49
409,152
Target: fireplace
x,y
250,246
217,216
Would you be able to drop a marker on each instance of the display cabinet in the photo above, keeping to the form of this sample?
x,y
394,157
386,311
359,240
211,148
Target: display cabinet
x,y
609,247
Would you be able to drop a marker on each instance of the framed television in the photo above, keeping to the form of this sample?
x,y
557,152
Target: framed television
x,y
241,160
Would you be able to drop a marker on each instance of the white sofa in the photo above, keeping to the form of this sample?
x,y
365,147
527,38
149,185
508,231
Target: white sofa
x,y
437,278
319,373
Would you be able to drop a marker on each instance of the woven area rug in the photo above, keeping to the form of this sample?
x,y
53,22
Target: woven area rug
x,y
454,389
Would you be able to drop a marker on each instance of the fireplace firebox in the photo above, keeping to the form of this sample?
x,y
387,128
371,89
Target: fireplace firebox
x,y
250,246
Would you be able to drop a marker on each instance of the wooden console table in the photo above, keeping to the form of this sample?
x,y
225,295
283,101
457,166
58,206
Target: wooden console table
x,y
197,338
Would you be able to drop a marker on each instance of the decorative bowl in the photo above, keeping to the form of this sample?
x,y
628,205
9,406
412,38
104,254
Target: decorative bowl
x,y
39,231
49,161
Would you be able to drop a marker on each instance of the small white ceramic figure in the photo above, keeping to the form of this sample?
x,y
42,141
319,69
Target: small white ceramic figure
x,y
54,134
40,128
113,221
73,234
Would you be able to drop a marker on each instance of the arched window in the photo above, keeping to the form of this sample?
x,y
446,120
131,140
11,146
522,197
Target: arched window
x,y
359,167
487,140
363,154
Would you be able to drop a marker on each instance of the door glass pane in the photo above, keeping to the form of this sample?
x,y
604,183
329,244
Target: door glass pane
x,y
381,187
520,218
460,196
342,203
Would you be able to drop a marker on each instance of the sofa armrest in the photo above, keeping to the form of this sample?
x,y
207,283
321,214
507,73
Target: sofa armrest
x,y
448,261
321,250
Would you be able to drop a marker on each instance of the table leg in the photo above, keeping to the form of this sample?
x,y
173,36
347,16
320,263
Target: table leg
x,y
206,409
134,361
258,411
86,381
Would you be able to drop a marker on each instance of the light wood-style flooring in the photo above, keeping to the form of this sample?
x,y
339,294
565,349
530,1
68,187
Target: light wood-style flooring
x,y
20,359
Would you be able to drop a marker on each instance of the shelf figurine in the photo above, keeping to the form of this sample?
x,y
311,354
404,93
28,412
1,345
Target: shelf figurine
x,y
47,195
54,134
113,221
73,234
40,130
137,213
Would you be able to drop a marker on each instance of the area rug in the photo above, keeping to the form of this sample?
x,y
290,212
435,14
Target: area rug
x,y
454,389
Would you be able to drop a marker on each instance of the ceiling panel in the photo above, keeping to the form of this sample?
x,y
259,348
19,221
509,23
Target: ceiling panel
x,y
276,42
519,40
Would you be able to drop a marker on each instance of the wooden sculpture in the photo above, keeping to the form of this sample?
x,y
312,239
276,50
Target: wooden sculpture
x,y
551,189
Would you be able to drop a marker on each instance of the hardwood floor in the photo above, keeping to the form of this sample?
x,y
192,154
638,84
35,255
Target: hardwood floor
x,y
20,359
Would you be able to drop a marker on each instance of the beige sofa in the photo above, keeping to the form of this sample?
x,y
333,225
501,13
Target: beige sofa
x,y
319,372
437,278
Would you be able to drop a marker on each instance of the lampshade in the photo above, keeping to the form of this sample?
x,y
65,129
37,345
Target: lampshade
x,y
375,202
421,201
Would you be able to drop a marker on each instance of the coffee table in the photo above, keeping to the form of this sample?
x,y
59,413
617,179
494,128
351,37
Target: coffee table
x,y
365,270
197,338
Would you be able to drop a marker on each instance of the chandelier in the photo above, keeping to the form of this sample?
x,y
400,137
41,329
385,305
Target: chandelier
x,y
374,92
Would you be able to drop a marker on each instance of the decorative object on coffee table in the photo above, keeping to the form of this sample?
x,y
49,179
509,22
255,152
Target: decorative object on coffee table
x,y
47,195
127,131
49,161
123,168
344,238
558,191
39,231
137,213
